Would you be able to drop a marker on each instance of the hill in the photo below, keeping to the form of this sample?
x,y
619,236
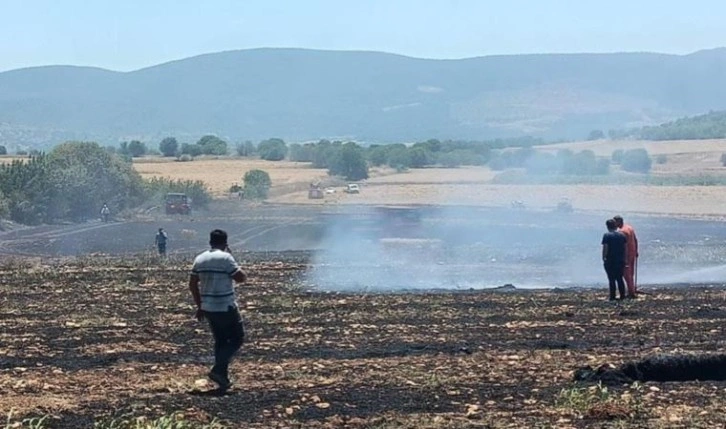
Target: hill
x,y
301,94
709,126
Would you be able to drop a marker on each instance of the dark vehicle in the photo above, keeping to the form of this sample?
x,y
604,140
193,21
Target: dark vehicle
x,y
178,203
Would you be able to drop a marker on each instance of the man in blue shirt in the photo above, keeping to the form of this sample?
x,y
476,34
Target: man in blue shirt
x,y
614,257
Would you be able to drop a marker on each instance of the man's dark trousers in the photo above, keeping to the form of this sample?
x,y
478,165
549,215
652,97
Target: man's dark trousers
x,y
228,333
615,275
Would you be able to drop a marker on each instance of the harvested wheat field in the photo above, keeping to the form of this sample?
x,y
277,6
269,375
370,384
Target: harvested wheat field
x,y
675,200
111,343
220,174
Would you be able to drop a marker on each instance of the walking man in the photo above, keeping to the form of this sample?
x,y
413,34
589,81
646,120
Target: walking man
x,y
613,257
105,212
631,262
211,285
161,239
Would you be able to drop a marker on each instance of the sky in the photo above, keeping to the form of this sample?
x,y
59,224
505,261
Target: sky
x,y
127,35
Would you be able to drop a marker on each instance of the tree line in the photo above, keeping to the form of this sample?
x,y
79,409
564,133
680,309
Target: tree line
x,y
73,181
712,125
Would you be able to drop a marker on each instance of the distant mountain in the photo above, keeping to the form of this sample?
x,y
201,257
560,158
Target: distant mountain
x,y
302,94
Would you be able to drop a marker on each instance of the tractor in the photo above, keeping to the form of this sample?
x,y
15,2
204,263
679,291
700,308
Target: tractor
x,y
178,203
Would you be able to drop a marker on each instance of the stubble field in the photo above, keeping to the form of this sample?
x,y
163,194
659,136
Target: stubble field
x,y
111,343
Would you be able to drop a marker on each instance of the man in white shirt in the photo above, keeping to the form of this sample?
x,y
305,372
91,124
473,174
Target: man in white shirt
x,y
211,285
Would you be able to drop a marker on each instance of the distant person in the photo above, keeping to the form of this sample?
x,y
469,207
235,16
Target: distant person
x,y
161,239
211,285
631,263
105,212
613,257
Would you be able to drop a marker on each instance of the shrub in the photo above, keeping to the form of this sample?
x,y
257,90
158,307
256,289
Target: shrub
x,y
256,184
723,159
617,156
636,161
185,158
661,159
3,150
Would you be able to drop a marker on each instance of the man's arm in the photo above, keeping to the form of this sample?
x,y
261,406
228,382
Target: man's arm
x,y
635,238
239,276
196,295
604,252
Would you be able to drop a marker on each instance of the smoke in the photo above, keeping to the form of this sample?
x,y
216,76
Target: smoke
x,y
454,247
464,247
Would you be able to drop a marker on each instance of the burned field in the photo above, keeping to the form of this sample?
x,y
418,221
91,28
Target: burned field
x,y
108,340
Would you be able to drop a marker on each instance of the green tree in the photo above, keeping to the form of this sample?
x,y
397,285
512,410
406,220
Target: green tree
x,y
169,146
3,150
256,184
136,148
83,176
212,145
273,149
350,163
377,155
420,157
324,153
617,156
399,156
636,161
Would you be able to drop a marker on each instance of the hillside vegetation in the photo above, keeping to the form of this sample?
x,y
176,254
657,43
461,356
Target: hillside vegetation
x,y
305,94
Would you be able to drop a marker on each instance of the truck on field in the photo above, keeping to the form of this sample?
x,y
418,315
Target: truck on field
x,y
178,203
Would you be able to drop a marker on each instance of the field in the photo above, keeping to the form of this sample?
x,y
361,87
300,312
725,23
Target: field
x,y
94,340
220,174
447,309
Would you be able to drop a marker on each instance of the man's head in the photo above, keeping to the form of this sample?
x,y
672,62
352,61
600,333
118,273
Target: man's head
x,y
218,239
161,229
611,225
618,221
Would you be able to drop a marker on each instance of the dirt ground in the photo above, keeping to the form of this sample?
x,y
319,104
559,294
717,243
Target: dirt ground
x,y
94,339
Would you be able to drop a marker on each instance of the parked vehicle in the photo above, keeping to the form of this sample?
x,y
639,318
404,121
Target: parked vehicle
x,y
352,188
178,203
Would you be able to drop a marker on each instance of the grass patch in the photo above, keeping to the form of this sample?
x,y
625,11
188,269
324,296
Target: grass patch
x,y
27,423
172,421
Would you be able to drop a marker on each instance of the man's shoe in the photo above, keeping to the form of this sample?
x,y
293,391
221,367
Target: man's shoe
x,y
223,382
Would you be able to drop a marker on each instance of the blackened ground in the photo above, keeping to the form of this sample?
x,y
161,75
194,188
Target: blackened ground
x,y
408,248
96,338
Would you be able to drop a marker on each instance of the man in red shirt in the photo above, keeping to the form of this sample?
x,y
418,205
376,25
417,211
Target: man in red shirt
x,y
632,255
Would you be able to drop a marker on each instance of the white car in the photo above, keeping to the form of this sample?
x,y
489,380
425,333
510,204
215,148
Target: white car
x,y
352,188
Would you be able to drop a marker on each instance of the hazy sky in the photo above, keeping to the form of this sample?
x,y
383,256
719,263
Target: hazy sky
x,y
130,34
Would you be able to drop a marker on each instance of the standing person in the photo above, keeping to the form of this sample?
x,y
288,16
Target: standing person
x,y
613,257
211,285
632,260
161,239
105,212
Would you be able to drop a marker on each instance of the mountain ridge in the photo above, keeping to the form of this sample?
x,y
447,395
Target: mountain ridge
x,y
300,94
